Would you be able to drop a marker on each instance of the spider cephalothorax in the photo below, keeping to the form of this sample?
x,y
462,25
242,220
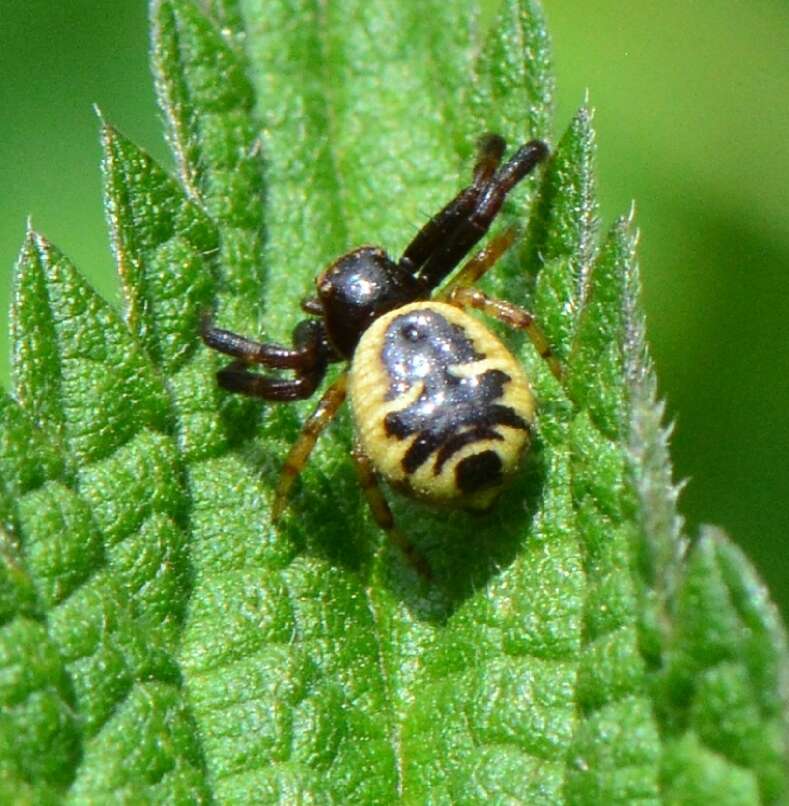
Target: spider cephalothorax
x,y
442,410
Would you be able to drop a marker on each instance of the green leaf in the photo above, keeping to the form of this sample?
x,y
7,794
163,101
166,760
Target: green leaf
x,y
562,237
208,102
162,640
71,358
722,687
165,261
96,552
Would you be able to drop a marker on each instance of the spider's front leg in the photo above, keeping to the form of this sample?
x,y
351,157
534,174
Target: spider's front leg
x,y
447,238
445,222
308,357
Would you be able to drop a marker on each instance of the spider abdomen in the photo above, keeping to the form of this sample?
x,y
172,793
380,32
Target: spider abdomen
x,y
441,407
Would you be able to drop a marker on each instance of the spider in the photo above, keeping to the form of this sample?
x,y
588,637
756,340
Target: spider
x,y
442,409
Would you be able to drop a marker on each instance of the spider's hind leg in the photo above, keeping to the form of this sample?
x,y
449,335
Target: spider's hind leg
x,y
512,315
461,292
382,514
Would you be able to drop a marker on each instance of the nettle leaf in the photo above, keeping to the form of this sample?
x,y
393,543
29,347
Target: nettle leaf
x,y
160,639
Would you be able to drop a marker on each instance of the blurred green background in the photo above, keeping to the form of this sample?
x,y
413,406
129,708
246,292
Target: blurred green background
x,y
692,123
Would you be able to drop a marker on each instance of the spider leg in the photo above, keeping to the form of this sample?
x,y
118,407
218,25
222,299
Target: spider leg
x,y
309,346
479,264
512,315
301,449
237,377
487,203
382,514
490,149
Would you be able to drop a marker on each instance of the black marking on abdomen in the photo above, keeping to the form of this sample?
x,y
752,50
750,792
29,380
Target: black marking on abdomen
x,y
452,411
478,471
458,441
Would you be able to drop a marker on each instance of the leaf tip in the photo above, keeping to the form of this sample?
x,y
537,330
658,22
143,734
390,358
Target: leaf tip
x,y
586,111
630,215
626,233
33,243
108,137
157,21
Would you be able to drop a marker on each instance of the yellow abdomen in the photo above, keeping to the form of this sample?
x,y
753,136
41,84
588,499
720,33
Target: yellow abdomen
x,y
441,407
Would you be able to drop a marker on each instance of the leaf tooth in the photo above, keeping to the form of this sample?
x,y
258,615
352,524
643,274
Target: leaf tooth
x,y
42,734
208,103
35,363
561,242
724,680
164,247
565,225
27,460
112,655
596,363
77,370
201,83
663,543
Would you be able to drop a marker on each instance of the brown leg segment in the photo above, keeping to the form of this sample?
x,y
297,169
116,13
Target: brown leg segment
x,y
310,346
301,449
511,315
490,150
447,238
474,222
478,265
236,377
441,226
382,514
